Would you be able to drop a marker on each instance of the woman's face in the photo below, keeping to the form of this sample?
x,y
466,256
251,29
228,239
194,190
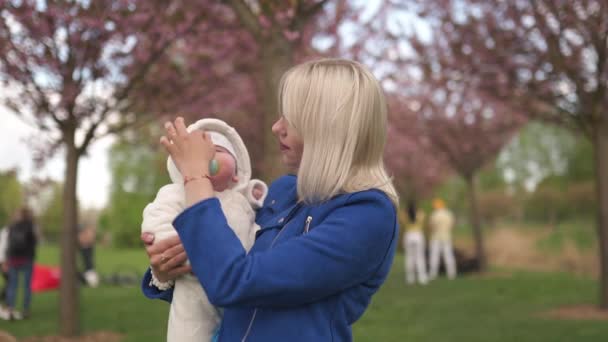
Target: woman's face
x,y
290,144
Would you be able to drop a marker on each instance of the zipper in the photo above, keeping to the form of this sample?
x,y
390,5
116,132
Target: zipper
x,y
255,311
307,226
250,325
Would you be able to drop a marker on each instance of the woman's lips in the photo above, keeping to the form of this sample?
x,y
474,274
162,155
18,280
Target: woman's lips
x,y
283,147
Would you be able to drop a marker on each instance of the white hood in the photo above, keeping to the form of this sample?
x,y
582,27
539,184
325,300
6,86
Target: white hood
x,y
242,156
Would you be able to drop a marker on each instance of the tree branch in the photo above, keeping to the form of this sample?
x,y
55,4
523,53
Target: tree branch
x,y
247,17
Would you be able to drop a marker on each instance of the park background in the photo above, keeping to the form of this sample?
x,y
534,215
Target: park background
x,y
498,107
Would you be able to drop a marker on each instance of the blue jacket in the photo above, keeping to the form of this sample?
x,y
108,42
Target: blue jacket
x,y
310,274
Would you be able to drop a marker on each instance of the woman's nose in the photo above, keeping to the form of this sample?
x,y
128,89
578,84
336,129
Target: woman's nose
x,y
276,127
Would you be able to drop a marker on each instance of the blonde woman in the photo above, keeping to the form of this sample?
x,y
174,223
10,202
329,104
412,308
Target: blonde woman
x,y
414,245
328,229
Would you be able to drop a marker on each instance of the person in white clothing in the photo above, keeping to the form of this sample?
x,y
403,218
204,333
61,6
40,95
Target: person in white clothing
x,y
3,268
414,245
441,223
192,317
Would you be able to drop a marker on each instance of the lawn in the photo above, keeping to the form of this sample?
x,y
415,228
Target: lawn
x,y
505,306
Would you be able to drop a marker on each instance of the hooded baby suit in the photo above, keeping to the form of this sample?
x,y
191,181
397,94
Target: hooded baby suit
x,y
192,317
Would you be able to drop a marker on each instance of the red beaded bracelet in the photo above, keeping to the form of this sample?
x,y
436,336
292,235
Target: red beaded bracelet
x,y
188,178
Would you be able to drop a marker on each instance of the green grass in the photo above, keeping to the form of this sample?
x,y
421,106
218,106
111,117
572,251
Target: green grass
x,y
473,308
501,308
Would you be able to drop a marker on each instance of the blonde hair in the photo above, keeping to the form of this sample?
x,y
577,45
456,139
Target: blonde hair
x,y
338,109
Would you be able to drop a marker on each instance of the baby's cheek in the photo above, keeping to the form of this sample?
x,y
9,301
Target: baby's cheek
x,y
221,180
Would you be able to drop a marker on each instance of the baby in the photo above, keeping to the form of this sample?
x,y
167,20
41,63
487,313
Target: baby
x,y
192,317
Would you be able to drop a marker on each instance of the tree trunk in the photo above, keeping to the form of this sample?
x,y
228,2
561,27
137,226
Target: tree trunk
x,y
475,223
68,293
600,144
276,59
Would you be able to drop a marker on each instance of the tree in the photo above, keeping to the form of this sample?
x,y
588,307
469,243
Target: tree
x,y
416,167
548,57
84,69
73,68
50,218
245,51
537,152
466,129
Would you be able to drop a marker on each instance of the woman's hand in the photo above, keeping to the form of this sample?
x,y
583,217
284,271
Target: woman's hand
x,y
166,257
191,152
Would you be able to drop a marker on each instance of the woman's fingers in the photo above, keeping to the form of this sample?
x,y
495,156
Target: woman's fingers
x,y
170,263
179,271
147,238
163,246
180,127
171,131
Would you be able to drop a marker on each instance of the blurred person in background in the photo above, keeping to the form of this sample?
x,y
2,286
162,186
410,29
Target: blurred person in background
x,y
441,224
3,268
414,245
20,254
86,240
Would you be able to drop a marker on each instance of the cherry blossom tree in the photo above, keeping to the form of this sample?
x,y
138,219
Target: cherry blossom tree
x,y
545,58
415,165
83,70
72,68
469,131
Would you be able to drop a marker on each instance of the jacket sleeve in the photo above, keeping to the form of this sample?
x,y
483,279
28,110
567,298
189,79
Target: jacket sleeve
x,y
345,249
152,292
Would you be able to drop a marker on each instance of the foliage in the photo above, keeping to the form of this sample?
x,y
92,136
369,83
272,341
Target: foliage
x,y
544,59
551,204
578,232
541,151
580,162
498,205
11,196
73,68
51,218
138,171
416,167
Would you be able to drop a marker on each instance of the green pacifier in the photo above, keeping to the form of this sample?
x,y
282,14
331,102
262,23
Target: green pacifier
x,y
214,167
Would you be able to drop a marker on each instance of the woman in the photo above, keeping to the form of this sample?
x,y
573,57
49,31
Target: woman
x,y
414,245
328,230
21,251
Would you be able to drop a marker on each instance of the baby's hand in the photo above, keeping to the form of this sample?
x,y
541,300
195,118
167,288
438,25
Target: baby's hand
x,y
257,191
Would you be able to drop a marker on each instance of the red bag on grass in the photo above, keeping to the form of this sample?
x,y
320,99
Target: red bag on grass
x,y
45,278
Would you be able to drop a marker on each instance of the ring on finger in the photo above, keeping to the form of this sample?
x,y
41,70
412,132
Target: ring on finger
x,y
163,258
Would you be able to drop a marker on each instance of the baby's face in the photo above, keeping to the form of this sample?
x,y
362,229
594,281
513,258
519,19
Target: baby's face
x,y
226,175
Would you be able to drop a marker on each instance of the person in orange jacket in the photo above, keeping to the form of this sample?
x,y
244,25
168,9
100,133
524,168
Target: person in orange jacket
x,y
441,223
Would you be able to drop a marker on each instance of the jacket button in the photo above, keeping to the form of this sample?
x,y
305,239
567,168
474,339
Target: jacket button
x,y
281,220
272,202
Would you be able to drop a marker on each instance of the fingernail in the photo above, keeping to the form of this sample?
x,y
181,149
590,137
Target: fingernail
x,y
147,237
